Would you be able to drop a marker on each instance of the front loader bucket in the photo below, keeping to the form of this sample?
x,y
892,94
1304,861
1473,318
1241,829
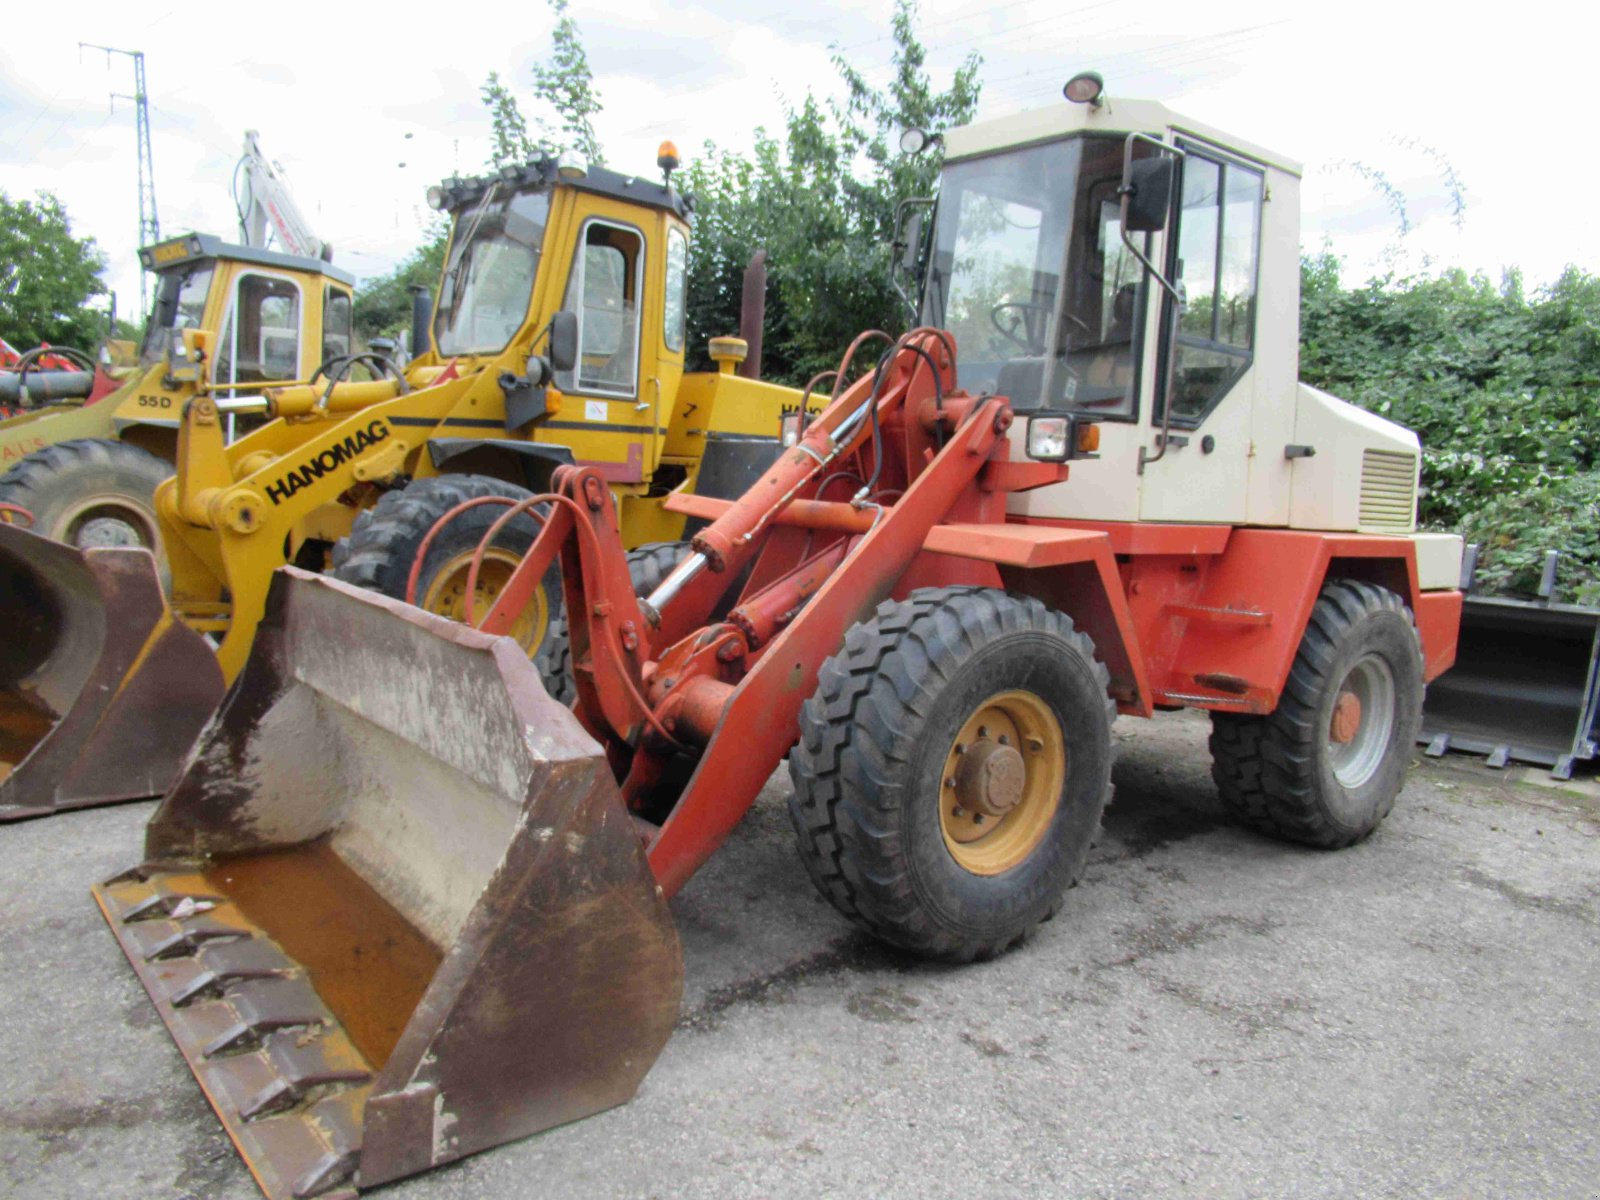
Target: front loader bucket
x,y
102,688
1525,685
395,910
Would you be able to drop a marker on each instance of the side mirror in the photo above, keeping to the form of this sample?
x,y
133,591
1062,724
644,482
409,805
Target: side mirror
x,y
563,342
911,241
1147,187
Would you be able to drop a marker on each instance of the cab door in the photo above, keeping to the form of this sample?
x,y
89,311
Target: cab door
x,y
263,337
609,400
1206,366
266,335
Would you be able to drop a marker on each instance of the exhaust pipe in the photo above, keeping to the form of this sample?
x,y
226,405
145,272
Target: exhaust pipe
x,y
102,688
421,320
395,911
753,313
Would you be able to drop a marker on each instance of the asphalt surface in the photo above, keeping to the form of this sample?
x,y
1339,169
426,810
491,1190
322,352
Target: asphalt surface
x,y
1213,1014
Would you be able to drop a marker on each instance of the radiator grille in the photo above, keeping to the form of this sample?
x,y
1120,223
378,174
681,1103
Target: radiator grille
x,y
1388,491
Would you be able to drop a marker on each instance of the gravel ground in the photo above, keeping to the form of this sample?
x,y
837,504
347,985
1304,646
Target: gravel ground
x,y
1213,1014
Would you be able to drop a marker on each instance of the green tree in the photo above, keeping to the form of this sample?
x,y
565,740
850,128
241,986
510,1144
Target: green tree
x,y
383,305
821,201
509,127
564,86
47,276
1500,386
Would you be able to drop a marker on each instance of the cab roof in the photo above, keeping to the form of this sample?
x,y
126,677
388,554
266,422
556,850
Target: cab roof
x,y
191,247
1113,116
602,181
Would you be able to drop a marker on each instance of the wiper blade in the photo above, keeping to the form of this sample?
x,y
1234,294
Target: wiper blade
x,y
464,242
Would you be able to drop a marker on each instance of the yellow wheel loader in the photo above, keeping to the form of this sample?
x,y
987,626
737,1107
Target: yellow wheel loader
x,y
558,338
88,471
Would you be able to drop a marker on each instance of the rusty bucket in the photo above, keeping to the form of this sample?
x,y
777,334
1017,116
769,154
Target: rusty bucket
x,y
102,688
395,911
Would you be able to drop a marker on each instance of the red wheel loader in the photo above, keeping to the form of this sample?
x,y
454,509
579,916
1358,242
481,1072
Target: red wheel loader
x,y
402,905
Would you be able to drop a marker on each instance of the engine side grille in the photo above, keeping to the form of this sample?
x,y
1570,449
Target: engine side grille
x,y
1388,491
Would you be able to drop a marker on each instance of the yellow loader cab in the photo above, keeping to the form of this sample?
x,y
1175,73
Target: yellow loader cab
x,y
613,251
352,474
88,472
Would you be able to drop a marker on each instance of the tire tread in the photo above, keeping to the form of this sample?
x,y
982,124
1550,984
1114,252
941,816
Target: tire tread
x,y
1265,768
857,734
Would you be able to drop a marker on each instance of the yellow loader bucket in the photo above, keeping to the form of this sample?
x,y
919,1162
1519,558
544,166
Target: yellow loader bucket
x,y
395,910
102,689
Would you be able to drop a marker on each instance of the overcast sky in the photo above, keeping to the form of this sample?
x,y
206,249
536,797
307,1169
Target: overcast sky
x,y
364,111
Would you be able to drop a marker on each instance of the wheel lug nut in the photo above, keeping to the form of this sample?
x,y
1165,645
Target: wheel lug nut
x,y
977,818
1035,744
983,731
951,782
958,811
1004,740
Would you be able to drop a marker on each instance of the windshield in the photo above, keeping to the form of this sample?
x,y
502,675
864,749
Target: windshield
x,y
488,278
1010,228
180,304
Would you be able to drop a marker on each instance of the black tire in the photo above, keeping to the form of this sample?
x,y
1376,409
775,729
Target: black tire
x,y
384,541
648,565
1281,774
874,741
90,492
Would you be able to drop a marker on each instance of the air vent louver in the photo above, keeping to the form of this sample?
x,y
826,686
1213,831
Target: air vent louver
x,y
1388,491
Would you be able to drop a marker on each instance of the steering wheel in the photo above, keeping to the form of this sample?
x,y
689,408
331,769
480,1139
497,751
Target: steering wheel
x,y
1022,323
1030,318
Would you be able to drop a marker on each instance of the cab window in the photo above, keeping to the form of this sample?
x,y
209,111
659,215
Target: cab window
x,y
260,340
603,291
1218,250
677,310
336,318
180,304
1030,273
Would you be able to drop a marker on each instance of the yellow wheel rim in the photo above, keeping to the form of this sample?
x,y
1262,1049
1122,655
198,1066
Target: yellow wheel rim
x,y
447,595
1002,782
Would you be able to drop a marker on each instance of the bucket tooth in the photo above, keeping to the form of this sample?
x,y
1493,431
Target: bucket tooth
x,y
394,910
222,963
263,1006
301,1063
170,939
172,905
102,688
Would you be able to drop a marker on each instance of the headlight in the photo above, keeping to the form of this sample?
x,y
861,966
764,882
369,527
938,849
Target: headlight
x,y
1050,438
436,197
789,429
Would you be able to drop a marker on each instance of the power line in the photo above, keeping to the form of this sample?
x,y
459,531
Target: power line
x,y
46,108
1157,54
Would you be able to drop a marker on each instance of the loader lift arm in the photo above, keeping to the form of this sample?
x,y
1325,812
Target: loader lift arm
x,y
654,680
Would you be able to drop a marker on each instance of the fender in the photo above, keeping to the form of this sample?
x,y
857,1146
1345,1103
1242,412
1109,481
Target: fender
x,y
527,463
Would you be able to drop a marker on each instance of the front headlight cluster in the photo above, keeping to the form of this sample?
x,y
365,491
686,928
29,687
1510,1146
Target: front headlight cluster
x,y
1058,437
